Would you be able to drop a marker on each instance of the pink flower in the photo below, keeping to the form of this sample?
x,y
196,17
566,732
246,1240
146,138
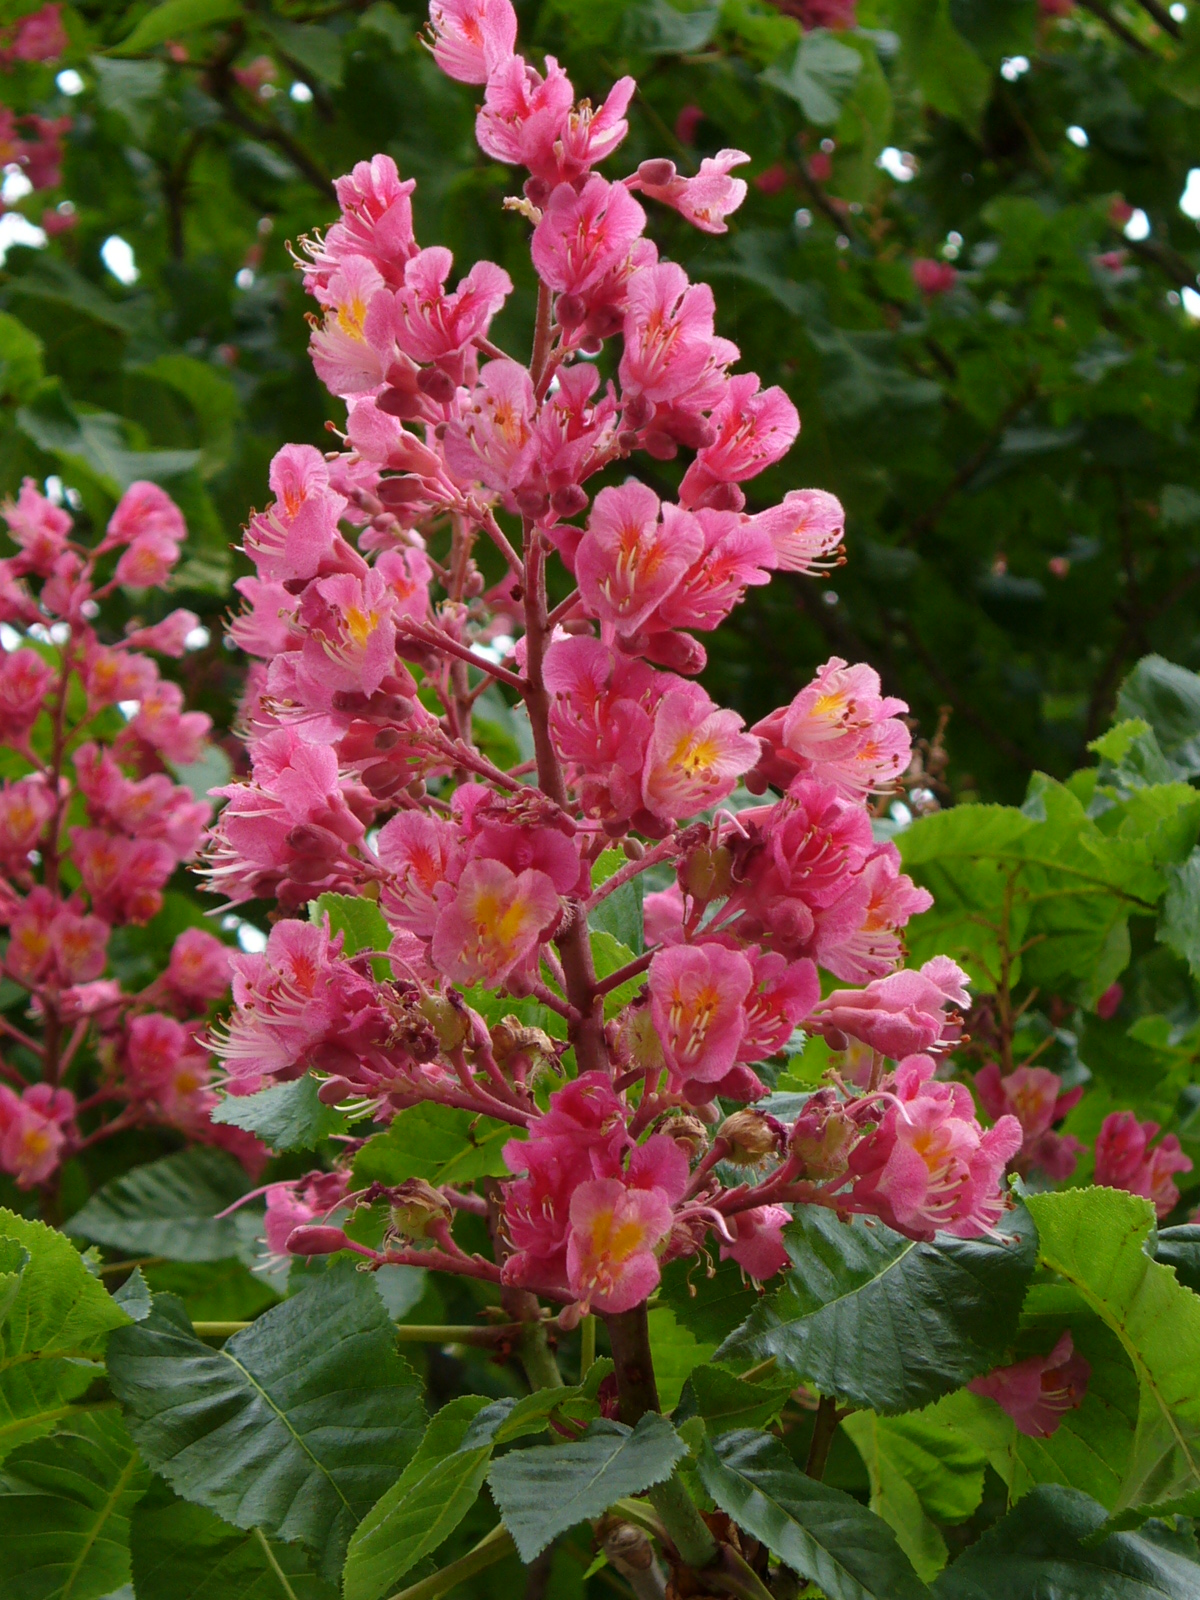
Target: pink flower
x,y
38,526
1109,1002
753,429
303,1200
472,37
40,36
807,527
299,531
168,637
176,734
858,937
833,14
1039,1391
705,200
672,356
783,995
697,1000
493,442
24,680
491,923
376,223
839,728
611,1262
695,756
523,115
200,966
628,562
583,235
758,1247
432,323
352,348
1125,1160
737,554
124,878
265,628
26,806
145,511
420,854
933,277
928,1165
1036,1098
899,1015
34,1128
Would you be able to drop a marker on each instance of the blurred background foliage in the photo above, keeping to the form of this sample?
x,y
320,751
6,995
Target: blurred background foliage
x,y
1012,426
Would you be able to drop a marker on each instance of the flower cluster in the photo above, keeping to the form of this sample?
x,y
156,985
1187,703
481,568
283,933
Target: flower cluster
x,y
40,36
375,632
92,826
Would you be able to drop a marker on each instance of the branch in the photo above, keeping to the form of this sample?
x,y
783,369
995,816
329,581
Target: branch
x,y
426,633
823,1431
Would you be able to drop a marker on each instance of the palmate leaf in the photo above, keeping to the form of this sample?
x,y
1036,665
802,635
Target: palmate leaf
x,y
65,1504
546,1490
1096,1240
182,1551
875,1319
438,1143
1047,1547
920,1474
431,1497
296,1426
169,1208
817,1531
53,1336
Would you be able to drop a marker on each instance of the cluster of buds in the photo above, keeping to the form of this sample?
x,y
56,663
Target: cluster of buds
x,y
375,632
92,826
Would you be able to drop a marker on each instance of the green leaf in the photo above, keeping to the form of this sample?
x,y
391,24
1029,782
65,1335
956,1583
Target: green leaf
x,y
131,89
620,914
726,1401
1096,1240
438,1143
712,1307
546,1490
14,1258
134,1297
20,359
65,1504
361,924
920,1474
175,18
1168,698
169,1208
182,1551
429,1500
296,1425
886,1323
287,1116
53,1336
817,1531
953,78
820,74
316,51
1179,1248
660,28
1047,1549
676,1352
1179,920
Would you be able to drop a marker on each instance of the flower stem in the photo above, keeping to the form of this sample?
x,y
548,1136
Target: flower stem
x,y
823,1431
491,1548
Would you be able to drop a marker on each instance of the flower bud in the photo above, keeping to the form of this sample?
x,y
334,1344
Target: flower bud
x,y
449,1022
569,311
512,1040
308,1240
400,403
569,500
334,1090
706,873
688,1132
751,1136
657,172
822,1136
438,385
415,1206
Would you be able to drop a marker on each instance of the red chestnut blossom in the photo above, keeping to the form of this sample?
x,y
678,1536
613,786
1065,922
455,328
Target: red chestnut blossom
x,y
1125,1160
1035,1096
1039,1391
903,1014
933,277
40,36
705,200
34,1129
368,777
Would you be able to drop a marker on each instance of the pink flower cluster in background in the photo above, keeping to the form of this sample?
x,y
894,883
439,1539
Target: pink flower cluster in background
x,y
92,826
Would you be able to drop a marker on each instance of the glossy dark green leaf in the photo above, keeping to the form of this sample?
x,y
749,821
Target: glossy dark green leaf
x,y
182,1551
545,1490
169,1208
65,1504
817,1531
295,1425
287,1116
1179,1248
883,1322
1047,1547
1166,696
726,1401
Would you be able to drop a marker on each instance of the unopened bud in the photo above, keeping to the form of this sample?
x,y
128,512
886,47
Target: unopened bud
x,y
636,411
451,1025
656,173
823,1135
383,779
416,1205
438,385
532,503
334,1090
402,403
750,1135
569,500
569,311
634,849
659,445
706,873
536,191
308,1240
688,1132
